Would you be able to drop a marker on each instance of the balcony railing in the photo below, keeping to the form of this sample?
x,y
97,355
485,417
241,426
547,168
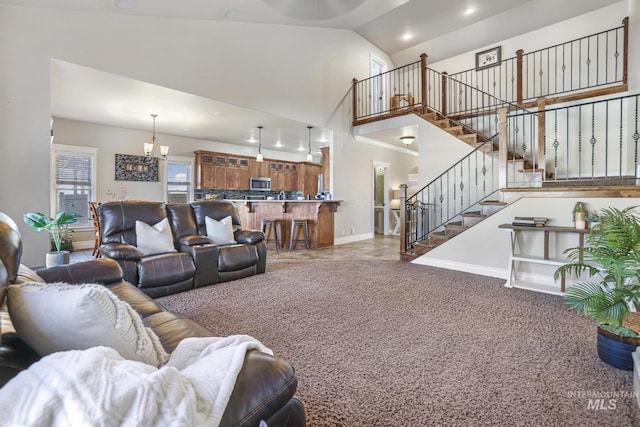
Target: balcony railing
x,y
597,62
585,63
589,141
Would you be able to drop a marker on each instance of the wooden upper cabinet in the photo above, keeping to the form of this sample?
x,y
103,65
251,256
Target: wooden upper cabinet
x,y
243,173
276,173
326,167
233,164
308,178
205,175
259,169
221,171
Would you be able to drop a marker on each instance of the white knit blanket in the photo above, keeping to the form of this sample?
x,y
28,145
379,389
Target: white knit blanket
x,y
97,387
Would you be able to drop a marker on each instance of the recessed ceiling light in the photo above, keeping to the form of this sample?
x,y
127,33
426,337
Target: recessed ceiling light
x,y
219,114
469,11
407,36
278,144
126,4
301,148
232,13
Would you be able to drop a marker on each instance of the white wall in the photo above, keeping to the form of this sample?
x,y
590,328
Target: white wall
x,y
299,73
111,140
584,25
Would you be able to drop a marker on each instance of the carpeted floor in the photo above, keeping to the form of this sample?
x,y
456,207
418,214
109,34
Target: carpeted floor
x,y
385,343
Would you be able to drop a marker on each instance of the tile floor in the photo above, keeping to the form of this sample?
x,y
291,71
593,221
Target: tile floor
x,y
380,247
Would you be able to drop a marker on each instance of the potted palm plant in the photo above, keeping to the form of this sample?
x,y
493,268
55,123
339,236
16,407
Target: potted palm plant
x,y
58,226
611,261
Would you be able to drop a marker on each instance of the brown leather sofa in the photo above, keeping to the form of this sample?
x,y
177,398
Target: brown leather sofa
x,y
197,262
266,384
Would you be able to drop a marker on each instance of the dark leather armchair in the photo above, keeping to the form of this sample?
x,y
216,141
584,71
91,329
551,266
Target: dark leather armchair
x,y
157,275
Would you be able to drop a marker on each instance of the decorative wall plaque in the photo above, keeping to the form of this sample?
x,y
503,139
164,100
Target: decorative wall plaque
x,y
136,168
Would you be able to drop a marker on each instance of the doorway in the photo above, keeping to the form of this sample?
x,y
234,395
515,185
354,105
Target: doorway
x,y
377,71
381,198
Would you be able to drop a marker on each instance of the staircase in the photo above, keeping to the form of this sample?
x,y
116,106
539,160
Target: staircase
x,y
515,150
453,228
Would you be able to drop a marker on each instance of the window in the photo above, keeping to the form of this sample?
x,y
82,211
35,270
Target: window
x,y
178,187
73,180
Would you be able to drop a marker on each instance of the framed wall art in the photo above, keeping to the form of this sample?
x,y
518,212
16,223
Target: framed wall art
x,y
488,58
136,168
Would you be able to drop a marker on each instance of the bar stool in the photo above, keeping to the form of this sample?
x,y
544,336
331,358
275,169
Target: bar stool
x,y
273,225
298,223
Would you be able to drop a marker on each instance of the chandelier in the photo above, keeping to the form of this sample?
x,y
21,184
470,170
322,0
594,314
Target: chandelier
x,y
151,148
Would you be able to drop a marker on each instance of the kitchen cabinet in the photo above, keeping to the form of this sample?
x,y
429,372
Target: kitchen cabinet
x,y
276,173
205,171
243,174
259,169
326,170
290,177
232,173
308,177
220,171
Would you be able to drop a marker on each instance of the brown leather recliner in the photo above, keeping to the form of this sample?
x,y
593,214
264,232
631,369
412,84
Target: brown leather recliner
x,y
264,388
197,262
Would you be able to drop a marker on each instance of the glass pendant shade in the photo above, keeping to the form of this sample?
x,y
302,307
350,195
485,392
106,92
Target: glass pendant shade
x,y
259,157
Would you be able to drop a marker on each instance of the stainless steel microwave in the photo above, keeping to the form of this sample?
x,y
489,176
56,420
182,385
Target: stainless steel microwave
x,y
259,184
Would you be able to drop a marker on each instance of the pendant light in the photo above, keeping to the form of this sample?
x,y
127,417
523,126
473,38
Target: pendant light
x,y
150,148
259,157
309,156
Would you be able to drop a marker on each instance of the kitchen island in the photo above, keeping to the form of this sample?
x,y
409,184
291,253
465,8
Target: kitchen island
x,y
318,213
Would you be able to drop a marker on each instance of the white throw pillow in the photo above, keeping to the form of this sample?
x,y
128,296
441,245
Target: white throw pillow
x,y
154,239
56,317
220,232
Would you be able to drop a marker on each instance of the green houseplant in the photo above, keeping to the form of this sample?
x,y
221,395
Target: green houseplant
x,y
611,261
58,227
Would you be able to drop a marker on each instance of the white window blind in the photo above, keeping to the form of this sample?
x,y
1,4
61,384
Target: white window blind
x,y
74,175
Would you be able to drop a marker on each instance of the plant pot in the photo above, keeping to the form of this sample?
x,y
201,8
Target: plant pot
x,y
54,259
616,350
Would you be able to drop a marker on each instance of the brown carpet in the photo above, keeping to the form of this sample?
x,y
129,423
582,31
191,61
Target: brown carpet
x,y
384,343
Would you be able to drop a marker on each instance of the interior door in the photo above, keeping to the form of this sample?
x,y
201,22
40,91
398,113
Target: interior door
x,y
380,198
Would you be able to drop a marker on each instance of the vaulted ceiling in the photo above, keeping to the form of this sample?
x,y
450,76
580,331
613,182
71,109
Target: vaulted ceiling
x,y
401,28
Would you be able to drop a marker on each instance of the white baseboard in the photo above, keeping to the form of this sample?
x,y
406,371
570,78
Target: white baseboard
x,y
500,273
349,239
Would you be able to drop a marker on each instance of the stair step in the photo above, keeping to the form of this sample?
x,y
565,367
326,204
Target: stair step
x,y
443,123
530,170
421,247
432,116
492,203
437,237
470,138
472,214
455,130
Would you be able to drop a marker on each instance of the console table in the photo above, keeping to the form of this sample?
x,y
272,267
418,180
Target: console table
x,y
515,256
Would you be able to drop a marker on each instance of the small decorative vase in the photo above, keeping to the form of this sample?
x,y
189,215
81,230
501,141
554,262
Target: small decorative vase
x,y
579,220
54,259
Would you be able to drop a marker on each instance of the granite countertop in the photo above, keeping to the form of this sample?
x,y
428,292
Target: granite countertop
x,y
285,201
